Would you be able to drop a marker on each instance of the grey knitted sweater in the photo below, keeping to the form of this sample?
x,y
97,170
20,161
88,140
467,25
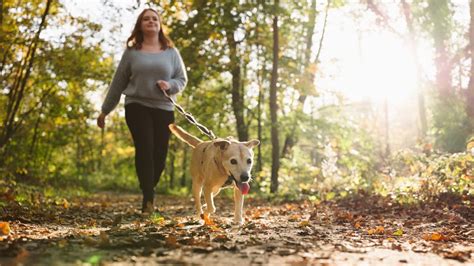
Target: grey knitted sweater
x,y
136,77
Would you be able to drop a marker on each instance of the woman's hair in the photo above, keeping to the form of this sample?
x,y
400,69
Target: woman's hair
x,y
136,38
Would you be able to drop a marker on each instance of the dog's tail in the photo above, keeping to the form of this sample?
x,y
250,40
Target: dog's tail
x,y
184,136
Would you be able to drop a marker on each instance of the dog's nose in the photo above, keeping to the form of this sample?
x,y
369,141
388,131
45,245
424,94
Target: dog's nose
x,y
244,178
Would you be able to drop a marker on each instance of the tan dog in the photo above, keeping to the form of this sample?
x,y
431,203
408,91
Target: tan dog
x,y
213,163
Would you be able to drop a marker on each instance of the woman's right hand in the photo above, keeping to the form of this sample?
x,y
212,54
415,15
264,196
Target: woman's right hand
x,y
101,120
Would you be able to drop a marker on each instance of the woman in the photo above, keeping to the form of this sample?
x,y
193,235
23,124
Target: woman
x,y
150,61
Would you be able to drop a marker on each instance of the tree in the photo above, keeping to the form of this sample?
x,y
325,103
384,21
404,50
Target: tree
x,y
470,89
439,20
413,48
16,92
273,104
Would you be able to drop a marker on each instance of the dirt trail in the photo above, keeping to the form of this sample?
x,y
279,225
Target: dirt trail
x,y
108,230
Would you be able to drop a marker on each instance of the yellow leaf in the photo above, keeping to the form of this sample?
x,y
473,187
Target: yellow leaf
x,y
357,225
215,228
4,228
304,223
399,232
65,204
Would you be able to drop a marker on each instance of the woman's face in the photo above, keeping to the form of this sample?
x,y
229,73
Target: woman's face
x,y
150,22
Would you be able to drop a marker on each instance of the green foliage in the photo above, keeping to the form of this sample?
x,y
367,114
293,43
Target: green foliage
x,y
334,154
417,176
451,125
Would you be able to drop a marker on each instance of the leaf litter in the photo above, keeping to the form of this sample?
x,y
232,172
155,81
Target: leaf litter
x,y
351,231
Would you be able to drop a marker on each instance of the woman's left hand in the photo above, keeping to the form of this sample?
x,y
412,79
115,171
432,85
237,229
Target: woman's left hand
x,y
164,85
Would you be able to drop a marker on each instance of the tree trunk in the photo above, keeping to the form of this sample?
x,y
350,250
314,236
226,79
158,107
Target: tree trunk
x,y
237,95
470,89
441,35
274,106
17,92
413,49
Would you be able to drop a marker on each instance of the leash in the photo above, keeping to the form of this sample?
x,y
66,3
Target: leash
x,y
204,130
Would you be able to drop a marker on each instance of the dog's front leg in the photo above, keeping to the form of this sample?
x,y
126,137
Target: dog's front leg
x,y
197,188
210,208
238,207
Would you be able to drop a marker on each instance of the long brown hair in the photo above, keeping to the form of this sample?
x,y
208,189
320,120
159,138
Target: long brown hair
x,y
136,38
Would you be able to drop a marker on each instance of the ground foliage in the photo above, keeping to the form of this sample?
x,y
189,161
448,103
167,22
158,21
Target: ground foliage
x,y
108,229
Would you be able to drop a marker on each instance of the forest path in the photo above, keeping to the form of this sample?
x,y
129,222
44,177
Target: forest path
x,y
107,229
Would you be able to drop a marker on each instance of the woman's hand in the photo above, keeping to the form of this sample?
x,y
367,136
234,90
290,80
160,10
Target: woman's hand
x,y
164,85
101,120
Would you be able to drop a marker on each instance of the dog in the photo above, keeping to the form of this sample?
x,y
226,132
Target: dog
x,y
213,164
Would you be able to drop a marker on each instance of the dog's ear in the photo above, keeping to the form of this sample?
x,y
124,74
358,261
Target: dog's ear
x,y
252,143
222,144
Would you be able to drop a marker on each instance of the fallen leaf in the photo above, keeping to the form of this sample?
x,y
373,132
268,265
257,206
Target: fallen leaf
x,y
65,204
221,238
257,215
457,255
171,241
207,220
377,230
398,232
294,218
433,237
357,225
303,224
436,236
4,228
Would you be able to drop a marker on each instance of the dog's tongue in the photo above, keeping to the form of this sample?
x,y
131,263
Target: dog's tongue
x,y
244,188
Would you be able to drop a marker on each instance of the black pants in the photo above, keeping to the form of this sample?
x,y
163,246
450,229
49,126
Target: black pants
x,y
150,133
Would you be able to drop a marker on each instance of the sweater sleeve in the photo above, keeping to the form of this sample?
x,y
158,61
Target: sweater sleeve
x,y
179,78
119,83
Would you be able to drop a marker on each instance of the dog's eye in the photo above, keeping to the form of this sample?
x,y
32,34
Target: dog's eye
x,y
233,161
249,161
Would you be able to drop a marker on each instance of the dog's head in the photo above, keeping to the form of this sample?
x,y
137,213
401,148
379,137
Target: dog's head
x,y
237,158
